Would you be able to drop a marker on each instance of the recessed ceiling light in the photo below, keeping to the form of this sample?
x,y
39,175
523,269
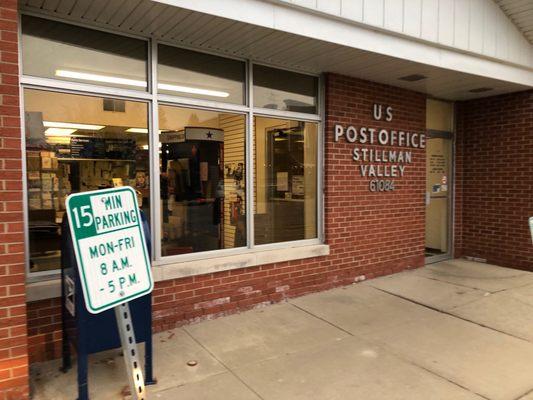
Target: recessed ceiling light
x,y
137,83
59,132
50,124
413,78
139,130
481,90
99,78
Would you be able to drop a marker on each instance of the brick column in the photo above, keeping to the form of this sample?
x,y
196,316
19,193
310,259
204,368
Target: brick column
x,y
495,178
13,330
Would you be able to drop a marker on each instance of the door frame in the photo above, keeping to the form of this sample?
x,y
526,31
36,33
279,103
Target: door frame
x,y
432,134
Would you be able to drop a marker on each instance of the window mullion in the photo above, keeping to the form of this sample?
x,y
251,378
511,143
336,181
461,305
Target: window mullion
x,y
249,149
154,158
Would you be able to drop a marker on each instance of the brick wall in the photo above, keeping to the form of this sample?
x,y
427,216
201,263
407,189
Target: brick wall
x,y
13,338
369,234
495,178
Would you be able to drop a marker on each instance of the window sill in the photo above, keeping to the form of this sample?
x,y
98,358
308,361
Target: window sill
x,y
225,263
52,288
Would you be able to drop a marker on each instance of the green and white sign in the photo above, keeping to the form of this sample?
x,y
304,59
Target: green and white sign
x,y
531,227
110,247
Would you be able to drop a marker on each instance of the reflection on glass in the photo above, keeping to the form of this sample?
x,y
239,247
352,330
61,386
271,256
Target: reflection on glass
x,y
438,174
285,180
202,180
74,145
188,73
55,50
284,90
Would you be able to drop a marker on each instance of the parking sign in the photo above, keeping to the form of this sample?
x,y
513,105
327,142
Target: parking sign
x,y
110,247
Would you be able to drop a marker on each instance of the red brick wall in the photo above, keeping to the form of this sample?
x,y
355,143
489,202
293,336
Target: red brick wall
x,y
369,234
13,338
495,175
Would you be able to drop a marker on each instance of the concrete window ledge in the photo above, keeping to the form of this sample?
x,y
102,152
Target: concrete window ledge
x,y
52,288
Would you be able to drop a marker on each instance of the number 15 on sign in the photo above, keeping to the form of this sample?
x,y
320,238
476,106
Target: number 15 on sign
x,y
110,247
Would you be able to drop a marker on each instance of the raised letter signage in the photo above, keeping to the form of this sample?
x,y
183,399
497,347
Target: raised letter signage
x,y
383,166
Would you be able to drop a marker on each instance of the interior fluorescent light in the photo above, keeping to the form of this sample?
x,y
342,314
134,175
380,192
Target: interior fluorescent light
x,y
139,130
58,139
192,90
99,78
133,82
59,132
50,124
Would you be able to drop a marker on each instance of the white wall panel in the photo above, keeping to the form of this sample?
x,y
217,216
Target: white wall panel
x,y
305,3
479,26
446,24
430,20
412,15
502,45
461,23
475,31
329,6
373,12
394,15
489,30
352,9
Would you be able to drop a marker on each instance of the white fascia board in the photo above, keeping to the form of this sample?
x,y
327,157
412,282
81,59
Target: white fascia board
x,y
337,30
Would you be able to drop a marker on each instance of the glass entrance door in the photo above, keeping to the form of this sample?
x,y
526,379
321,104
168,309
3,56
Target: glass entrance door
x,y
438,174
439,161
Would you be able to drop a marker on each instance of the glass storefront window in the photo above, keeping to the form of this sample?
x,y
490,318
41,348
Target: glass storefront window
x,y
285,90
74,144
202,180
285,180
81,142
61,51
188,73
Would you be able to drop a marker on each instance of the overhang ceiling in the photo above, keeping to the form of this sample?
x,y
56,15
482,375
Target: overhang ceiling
x,y
238,39
521,13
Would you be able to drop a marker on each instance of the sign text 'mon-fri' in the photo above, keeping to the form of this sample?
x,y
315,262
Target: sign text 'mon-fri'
x,y
110,248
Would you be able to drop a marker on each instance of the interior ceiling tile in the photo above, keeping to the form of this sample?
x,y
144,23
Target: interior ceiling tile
x,y
264,45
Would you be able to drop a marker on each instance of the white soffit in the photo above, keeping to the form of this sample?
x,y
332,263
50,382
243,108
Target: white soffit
x,y
521,13
204,31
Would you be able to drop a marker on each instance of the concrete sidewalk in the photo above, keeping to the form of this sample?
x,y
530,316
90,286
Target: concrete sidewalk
x,y
453,330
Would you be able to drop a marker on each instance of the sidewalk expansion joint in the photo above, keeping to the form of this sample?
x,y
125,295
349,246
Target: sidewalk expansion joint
x,y
322,319
224,365
452,315
399,356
